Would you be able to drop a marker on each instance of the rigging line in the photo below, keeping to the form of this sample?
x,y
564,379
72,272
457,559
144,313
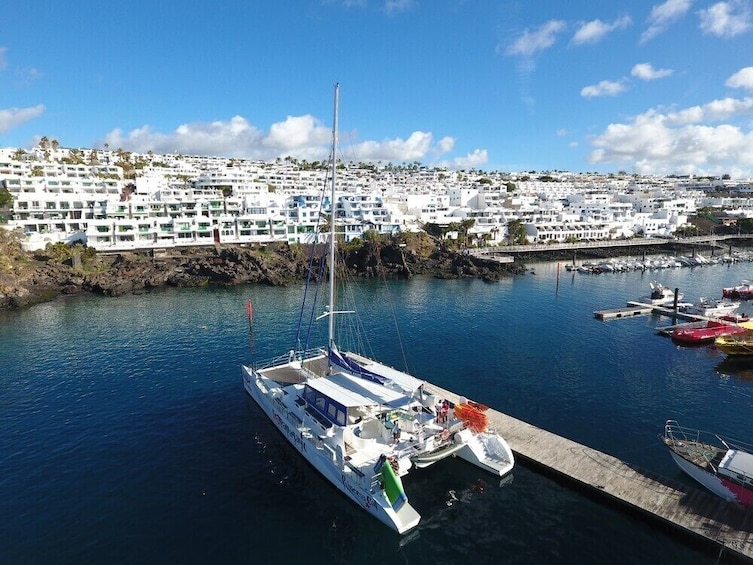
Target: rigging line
x,y
312,312
312,255
392,308
322,262
357,334
305,296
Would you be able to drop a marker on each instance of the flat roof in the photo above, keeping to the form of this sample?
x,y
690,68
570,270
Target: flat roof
x,y
351,391
739,462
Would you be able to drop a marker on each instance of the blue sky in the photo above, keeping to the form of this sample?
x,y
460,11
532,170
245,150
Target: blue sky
x,y
644,87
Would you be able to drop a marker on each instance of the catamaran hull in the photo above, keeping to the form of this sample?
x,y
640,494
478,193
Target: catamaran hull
x,y
487,451
375,503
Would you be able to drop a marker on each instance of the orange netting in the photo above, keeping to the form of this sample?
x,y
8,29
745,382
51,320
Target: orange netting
x,y
473,416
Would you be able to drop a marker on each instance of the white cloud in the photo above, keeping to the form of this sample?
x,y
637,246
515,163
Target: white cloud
x,y
3,58
14,117
472,160
395,6
531,43
595,30
663,15
646,71
302,137
233,139
445,145
682,142
726,19
24,77
604,88
294,133
714,111
412,149
741,79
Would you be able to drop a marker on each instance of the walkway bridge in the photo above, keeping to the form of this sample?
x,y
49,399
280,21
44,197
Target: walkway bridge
x,y
713,240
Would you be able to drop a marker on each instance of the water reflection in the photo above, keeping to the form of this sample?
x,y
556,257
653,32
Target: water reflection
x,y
738,367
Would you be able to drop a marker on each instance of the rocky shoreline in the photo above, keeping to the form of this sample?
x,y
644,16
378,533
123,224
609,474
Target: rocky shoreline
x,y
31,278
27,279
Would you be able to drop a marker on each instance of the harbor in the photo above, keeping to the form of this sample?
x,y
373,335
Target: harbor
x,y
163,440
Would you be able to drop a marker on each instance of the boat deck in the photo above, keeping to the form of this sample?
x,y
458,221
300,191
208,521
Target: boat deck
x,y
285,374
700,454
694,512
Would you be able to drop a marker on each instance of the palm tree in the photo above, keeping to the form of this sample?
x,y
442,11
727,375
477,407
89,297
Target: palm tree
x,y
516,232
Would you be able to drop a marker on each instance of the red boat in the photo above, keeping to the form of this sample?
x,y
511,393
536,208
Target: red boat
x,y
743,291
736,318
705,334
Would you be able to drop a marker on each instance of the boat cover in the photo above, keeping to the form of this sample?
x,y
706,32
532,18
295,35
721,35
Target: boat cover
x,y
737,465
373,371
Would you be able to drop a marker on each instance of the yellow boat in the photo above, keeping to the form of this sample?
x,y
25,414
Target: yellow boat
x,y
737,344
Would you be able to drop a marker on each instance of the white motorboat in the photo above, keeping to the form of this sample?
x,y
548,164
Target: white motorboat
x,y
713,308
362,424
723,466
660,295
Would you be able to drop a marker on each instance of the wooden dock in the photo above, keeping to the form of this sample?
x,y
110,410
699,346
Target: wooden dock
x,y
627,312
640,309
694,512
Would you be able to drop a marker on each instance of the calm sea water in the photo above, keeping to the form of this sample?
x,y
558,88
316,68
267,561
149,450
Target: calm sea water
x,y
126,435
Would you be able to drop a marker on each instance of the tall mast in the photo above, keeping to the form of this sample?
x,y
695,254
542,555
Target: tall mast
x,y
332,223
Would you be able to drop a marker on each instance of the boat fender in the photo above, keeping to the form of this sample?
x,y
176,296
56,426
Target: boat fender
x,y
395,464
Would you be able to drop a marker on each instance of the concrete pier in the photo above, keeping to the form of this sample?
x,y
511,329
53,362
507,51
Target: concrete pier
x,y
693,512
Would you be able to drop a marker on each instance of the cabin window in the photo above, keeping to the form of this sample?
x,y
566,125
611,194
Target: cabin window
x,y
321,403
328,408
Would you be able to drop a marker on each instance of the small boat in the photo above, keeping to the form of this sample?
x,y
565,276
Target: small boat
x,y
660,295
723,466
705,333
743,291
713,308
739,344
736,317
359,422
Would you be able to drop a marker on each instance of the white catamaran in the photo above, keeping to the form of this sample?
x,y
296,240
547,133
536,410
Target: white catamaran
x,y
363,424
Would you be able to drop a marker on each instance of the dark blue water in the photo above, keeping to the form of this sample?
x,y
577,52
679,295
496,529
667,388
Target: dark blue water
x,y
126,435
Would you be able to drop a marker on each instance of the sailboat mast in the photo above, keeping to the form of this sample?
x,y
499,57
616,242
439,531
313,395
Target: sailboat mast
x,y
332,240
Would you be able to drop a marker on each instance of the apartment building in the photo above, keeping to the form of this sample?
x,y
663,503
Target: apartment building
x,y
175,200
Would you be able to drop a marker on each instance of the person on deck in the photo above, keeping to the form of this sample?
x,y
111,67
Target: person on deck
x,y
395,431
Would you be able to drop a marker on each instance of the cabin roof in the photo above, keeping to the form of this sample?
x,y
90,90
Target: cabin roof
x,y
739,462
353,391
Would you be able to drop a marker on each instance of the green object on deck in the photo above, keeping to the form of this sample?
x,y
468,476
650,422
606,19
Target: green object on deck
x,y
393,486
